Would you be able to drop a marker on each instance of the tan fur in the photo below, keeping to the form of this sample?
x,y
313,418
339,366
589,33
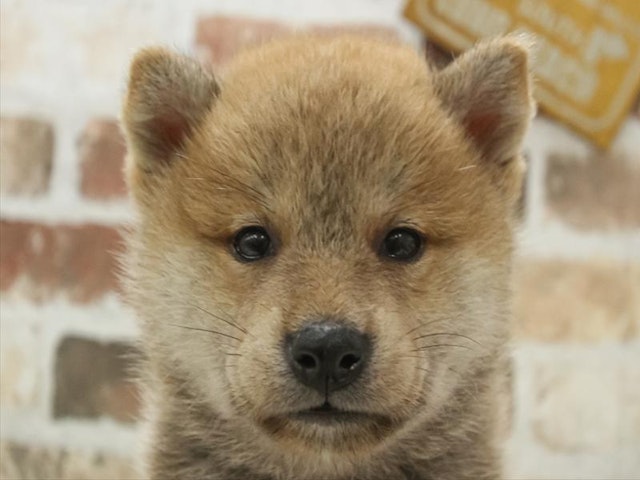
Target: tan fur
x,y
328,144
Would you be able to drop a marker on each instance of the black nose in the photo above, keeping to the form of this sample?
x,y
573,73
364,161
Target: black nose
x,y
327,356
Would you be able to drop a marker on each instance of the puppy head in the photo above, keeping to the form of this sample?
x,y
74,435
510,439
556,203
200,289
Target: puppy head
x,y
324,239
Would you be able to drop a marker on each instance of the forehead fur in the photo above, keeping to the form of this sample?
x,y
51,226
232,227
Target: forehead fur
x,y
332,133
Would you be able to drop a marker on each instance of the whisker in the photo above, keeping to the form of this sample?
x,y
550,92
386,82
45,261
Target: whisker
x,y
228,322
205,330
448,368
420,326
253,196
245,188
425,347
431,361
451,334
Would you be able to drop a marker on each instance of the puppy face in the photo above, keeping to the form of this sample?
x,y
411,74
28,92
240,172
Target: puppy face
x,y
324,238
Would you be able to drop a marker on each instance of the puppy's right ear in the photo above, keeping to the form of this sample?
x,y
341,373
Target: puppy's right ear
x,y
168,94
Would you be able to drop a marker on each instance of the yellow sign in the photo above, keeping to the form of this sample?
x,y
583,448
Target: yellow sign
x,y
587,60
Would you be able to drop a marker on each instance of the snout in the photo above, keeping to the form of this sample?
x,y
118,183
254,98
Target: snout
x,y
327,355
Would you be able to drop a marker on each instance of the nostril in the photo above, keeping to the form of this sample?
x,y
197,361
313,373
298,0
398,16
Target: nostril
x,y
327,356
307,361
349,361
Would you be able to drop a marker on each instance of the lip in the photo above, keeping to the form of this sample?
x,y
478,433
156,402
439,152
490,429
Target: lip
x,y
326,414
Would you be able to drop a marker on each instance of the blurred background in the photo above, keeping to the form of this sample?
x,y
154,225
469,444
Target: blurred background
x,y
67,408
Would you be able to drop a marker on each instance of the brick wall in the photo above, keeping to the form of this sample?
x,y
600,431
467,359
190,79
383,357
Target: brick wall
x,y
67,409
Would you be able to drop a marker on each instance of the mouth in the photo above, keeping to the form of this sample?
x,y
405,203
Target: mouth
x,y
331,427
328,415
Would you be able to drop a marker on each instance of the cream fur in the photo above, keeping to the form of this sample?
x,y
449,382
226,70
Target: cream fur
x,y
327,143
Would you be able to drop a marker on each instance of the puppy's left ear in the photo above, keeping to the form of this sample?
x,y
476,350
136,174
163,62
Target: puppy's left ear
x,y
488,91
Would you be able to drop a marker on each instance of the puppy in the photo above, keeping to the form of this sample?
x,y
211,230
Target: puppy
x,y
321,260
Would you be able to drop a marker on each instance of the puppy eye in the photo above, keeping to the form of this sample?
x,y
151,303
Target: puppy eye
x,y
402,244
252,243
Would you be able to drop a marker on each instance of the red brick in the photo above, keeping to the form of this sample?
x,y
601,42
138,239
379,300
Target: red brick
x,y
368,30
220,37
597,192
39,261
102,152
92,380
574,301
26,156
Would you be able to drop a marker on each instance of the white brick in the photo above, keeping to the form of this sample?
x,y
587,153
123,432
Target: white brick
x,y
586,403
21,378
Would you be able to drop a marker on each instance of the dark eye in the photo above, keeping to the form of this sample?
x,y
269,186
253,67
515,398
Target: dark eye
x,y
402,244
252,243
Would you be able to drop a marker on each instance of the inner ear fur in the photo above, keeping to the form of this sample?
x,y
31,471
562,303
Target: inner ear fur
x,y
488,91
167,95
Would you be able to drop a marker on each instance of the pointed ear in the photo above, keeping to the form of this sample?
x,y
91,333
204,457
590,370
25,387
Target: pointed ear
x,y
488,90
167,95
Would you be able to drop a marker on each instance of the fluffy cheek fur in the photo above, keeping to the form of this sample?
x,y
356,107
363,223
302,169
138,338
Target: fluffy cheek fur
x,y
184,303
430,322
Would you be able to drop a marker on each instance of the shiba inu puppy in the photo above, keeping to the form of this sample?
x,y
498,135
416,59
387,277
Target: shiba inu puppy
x,y
321,263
